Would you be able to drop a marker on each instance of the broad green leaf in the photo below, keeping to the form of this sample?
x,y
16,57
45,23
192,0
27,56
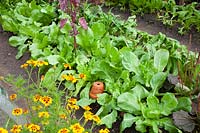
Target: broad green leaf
x,y
157,81
169,103
140,126
109,119
161,59
21,50
79,85
140,92
85,102
130,61
103,99
98,30
184,103
49,79
85,92
127,121
17,40
129,102
53,59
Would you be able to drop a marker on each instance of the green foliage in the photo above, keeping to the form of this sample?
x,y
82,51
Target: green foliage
x,y
132,64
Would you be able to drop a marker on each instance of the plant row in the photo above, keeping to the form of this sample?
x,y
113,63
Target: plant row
x,y
187,16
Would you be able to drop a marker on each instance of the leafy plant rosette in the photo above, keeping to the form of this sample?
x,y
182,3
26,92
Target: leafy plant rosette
x,y
132,64
48,106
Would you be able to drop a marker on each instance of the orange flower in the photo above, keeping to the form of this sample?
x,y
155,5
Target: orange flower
x,y
96,119
2,130
82,76
25,65
32,62
67,66
63,116
104,130
42,78
33,128
77,128
16,129
17,111
87,108
25,111
36,97
88,115
63,130
72,100
43,114
46,100
42,63
13,97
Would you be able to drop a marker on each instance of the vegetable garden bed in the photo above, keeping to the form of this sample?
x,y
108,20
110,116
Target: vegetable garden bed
x,y
146,78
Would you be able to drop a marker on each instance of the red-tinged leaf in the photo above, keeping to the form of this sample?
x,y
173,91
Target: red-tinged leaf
x,y
75,2
63,4
62,22
83,23
183,121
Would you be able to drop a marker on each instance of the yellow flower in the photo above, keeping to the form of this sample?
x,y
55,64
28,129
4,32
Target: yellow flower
x,y
104,130
16,129
17,111
87,108
63,130
43,114
82,76
32,62
25,111
46,100
77,128
2,130
33,128
41,63
88,115
67,66
36,98
72,100
13,97
63,116
25,65
96,119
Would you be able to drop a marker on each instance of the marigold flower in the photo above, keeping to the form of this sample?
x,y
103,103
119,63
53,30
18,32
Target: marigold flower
x,y
67,66
63,116
46,100
104,130
77,128
36,97
2,130
87,108
16,129
96,119
13,97
72,100
63,130
33,128
25,65
32,62
41,63
17,111
88,115
43,114
25,111
82,76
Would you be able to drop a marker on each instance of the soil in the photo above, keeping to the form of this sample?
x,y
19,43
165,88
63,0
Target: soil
x,y
148,23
